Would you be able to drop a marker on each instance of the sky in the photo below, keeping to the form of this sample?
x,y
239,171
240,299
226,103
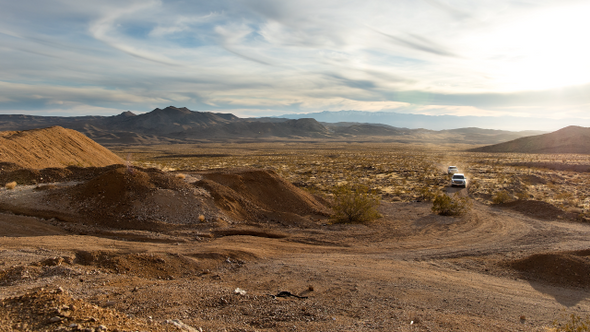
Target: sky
x,y
525,58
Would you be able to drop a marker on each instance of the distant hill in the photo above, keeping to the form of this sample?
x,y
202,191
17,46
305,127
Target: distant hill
x,y
53,147
572,139
437,122
181,125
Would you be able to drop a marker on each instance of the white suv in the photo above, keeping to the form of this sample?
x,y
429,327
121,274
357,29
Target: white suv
x,y
458,179
452,170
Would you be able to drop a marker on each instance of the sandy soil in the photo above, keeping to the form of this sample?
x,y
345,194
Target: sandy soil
x,y
493,269
52,147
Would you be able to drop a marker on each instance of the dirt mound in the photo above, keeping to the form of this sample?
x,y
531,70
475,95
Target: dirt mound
x,y
55,310
165,266
28,176
566,269
8,167
159,266
148,199
535,209
18,226
135,199
53,147
259,195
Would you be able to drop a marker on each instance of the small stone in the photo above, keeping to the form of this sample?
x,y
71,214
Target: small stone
x,y
102,328
55,319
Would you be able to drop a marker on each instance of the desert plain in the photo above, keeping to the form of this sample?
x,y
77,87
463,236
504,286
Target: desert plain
x,y
238,237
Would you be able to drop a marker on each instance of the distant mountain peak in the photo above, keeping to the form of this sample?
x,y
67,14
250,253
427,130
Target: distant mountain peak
x,y
173,110
126,114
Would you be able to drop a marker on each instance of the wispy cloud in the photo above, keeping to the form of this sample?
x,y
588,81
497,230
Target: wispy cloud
x,y
418,43
264,56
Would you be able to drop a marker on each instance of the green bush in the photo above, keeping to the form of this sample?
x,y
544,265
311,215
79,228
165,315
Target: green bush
x,y
446,205
501,196
354,204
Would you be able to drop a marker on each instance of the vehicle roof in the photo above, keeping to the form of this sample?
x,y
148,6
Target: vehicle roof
x,y
452,166
458,174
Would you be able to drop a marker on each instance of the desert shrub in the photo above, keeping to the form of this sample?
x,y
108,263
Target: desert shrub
x,y
501,196
180,176
574,323
522,195
354,204
427,194
446,205
564,195
11,185
474,184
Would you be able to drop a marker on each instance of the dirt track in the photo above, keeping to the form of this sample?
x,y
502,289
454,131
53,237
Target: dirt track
x,y
410,271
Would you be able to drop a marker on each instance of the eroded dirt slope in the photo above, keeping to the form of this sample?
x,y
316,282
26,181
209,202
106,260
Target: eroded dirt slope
x,y
53,147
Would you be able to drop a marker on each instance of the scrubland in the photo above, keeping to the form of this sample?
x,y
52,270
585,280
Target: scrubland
x,y
397,172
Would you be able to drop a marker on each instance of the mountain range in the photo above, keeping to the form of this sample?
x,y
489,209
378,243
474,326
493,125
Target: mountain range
x,y
440,122
181,125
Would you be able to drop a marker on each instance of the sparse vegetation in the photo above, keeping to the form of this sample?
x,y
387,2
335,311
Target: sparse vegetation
x,y
574,323
501,196
446,205
522,195
11,185
396,172
427,194
354,204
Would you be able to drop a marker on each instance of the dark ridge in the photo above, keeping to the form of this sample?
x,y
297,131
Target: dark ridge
x,y
173,125
572,139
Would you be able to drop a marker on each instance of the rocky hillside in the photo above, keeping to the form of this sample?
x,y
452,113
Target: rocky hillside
x,y
181,125
572,139
53,147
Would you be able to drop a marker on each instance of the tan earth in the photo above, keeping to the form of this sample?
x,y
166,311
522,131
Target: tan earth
x,y
120,248
53,147
143,250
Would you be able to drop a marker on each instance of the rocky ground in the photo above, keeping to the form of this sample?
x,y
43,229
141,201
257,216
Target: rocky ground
x,y
232,254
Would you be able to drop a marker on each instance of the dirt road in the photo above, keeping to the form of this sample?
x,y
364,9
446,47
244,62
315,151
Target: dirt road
x,y
409,271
